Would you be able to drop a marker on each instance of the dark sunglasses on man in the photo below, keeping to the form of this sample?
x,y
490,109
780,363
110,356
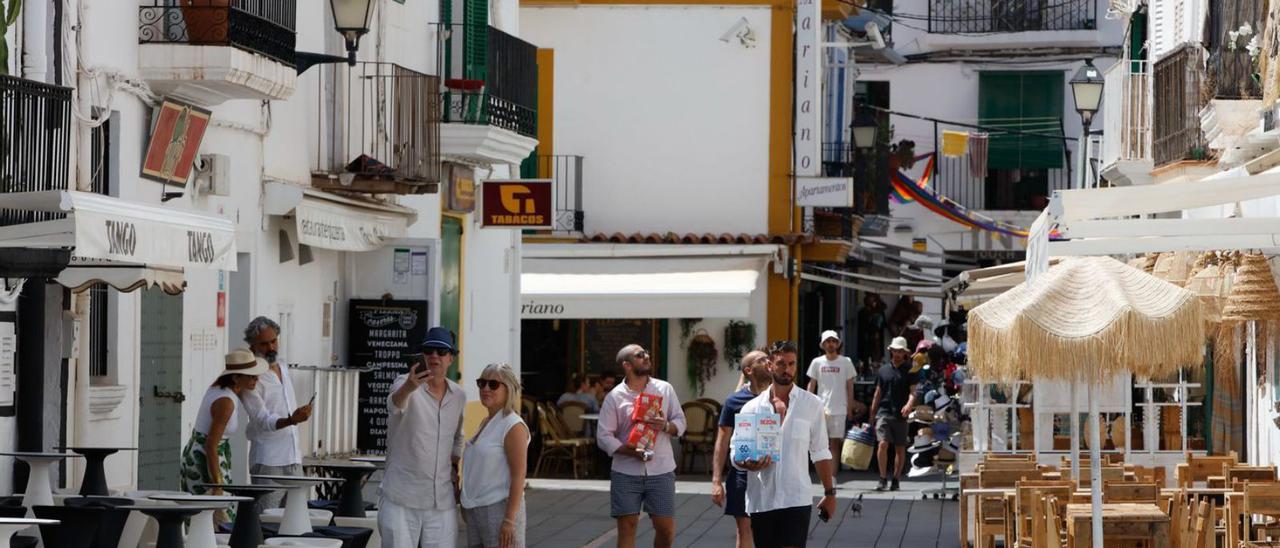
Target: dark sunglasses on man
x,y
442,352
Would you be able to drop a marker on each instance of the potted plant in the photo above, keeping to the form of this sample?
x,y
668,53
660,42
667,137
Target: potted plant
x,y
700,360
206,21
739,338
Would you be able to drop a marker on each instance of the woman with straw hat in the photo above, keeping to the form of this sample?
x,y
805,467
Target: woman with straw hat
x,y
207,457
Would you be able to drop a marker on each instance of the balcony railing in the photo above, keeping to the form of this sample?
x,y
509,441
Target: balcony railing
x,y
381,123
1176,82
989,16
492,78
1127,135
869,170
35,142
997,189
566,175
265,27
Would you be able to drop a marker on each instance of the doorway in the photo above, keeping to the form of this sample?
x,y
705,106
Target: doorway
x,y
160,435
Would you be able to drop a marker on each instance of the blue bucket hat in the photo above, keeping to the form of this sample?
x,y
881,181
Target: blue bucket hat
x,y
439,337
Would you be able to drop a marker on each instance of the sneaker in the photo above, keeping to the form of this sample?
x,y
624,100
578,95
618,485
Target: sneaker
x,y
884,485
894,486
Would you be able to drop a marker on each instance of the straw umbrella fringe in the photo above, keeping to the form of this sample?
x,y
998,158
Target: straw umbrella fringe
x,y
1080,324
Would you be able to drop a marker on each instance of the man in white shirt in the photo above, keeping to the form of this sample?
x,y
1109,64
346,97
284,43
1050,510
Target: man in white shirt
x,y
831,379
780,495
641,479
418,508
273,413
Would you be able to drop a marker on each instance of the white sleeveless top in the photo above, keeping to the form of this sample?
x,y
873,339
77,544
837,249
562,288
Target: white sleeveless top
x,y
486,478
204,417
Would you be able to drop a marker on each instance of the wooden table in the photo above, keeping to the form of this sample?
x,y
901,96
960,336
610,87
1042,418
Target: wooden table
x,y
1119,521
968,488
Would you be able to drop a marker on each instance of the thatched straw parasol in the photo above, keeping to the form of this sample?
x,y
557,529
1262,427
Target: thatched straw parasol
x,y
1086,319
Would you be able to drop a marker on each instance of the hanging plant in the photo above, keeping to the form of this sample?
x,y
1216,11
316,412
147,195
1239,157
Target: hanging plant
x,y
686,329
700,360
739,338
8,17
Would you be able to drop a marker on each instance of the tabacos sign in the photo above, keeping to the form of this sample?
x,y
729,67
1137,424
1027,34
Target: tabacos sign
x,y
524,203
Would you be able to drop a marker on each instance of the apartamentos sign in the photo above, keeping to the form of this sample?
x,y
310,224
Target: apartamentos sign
x,y
523,203
824,192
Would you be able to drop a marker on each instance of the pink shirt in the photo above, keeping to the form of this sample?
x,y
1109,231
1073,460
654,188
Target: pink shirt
x,y
615,425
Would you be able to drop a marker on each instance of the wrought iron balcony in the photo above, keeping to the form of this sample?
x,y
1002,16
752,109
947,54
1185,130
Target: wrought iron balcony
x,y
492,78
380,129
993,16
565,173
35,142
1177,81
264,27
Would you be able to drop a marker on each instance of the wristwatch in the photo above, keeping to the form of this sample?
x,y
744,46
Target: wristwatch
x,y
829,492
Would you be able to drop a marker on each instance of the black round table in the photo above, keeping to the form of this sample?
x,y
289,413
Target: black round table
x,y
246,532
351,500
95,475
170,518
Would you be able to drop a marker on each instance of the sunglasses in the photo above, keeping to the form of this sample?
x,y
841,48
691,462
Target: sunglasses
x,y
492,384
436,351
641,355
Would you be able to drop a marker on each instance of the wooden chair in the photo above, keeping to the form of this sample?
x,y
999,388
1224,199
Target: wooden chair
x,y
1125,491
1198,469
1050,534
1252,474
1260,499
571,412
993,510
1202,534
1153,474
714,405
989,457
1008,465
1109,473
1027,506
700,432
557,445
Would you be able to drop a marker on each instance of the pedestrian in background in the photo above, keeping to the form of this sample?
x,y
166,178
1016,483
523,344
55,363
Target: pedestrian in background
x,y
273,413
831,378
581,389
780,495
893,401
494,465
641,479
418,508
732,494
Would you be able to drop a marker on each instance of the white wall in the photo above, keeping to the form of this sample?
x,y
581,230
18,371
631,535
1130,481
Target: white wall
x,y
672,122
723,383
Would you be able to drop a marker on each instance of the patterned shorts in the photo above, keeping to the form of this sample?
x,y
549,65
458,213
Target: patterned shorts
x,y
656,495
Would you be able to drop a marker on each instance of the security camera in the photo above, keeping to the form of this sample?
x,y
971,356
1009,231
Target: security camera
x,y
736,31
873,34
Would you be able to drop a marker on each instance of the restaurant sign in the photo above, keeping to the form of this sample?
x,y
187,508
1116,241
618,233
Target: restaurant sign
x,y
522,203
332,226
382,339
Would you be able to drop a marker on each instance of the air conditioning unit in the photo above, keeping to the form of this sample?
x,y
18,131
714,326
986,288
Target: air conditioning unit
x,y
213,175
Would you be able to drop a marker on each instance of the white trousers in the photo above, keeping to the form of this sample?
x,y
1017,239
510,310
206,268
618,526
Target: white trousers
x,y
403,527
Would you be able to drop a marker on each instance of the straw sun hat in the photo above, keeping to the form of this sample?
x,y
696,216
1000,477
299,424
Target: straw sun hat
x,y
1253,292
242,362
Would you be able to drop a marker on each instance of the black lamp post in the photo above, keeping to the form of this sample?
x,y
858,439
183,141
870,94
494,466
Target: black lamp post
x,y
1086,88
351,20
864,131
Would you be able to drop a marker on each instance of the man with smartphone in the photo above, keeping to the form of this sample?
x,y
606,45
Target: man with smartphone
x,y
273,413
780,494
424,444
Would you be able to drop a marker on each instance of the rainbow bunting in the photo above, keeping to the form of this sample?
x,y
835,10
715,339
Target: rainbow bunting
x,y
906,190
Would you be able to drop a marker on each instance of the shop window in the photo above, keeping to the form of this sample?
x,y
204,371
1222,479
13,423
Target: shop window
x,y
1168,415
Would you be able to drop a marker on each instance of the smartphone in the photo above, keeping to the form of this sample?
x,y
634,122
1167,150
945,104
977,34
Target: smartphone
x,y
312,400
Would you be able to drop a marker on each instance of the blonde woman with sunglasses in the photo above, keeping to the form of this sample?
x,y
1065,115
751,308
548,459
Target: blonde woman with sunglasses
x,y
494,465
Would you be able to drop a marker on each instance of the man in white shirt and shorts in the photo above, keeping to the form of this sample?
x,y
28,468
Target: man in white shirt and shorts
x,y
831,379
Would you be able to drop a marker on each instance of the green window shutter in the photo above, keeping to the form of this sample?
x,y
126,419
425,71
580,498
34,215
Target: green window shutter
x,y
1026,102
475,52
1137,41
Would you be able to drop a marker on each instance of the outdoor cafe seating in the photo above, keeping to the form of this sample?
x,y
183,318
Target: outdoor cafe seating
x,y
1215,501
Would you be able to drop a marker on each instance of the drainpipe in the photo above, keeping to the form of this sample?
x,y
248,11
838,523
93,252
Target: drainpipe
x,y
78,429
35,27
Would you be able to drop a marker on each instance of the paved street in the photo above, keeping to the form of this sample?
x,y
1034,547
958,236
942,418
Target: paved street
x,y
572,513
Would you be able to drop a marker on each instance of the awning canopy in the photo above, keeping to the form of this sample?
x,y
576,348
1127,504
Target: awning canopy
x,y
329,221
104,228
122,277
976,286
586,281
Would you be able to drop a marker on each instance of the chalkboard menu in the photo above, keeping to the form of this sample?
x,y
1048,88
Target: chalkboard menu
x,y
602,339
381,338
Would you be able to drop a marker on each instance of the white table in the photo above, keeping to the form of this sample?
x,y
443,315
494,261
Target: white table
x,y
9,526
201,533
590,417
38,491
297,519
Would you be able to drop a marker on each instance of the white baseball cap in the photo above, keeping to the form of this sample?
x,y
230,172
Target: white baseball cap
x,y
829,334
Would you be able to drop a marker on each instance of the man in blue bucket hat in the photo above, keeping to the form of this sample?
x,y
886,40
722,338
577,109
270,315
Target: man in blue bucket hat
x,y
424,445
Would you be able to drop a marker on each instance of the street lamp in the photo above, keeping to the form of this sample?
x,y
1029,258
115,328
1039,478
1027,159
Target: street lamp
x,y
1086,87
864,131
351,20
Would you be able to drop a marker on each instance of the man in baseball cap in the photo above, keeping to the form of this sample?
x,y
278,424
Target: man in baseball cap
x,y
831,379
424,445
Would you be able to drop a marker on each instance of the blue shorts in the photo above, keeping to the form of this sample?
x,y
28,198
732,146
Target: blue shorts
x,y
656,495
735,493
